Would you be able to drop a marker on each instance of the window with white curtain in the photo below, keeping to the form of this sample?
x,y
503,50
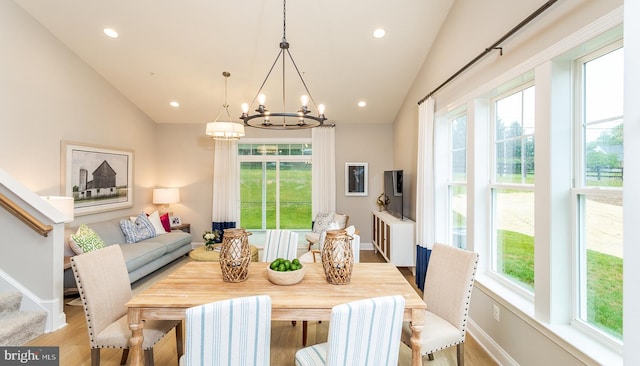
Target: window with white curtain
x,y
275,185
599,172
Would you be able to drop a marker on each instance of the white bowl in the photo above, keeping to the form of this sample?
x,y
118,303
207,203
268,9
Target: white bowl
x,y
285,278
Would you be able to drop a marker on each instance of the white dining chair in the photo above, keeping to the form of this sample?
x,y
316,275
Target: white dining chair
x,y
280,244
447,293
361,333
230,332
315,255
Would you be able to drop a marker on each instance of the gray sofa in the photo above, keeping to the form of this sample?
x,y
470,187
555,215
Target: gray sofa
x,y
142,257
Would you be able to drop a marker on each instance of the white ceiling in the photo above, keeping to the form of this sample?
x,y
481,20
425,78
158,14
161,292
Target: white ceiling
x,y
177,50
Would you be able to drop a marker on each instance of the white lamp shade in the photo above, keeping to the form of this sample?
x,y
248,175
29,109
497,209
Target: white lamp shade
x,y
62,204
225,130
166,195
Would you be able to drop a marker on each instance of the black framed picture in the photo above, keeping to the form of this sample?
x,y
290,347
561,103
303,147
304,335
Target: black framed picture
x,y
356,179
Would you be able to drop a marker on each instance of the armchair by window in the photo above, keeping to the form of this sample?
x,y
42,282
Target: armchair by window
x,y
324,221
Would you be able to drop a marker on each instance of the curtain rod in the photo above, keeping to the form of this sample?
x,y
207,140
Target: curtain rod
x,y
495,46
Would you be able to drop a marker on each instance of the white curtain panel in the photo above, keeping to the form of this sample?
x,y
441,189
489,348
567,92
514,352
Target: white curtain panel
x,y
226,182
323,170
425,190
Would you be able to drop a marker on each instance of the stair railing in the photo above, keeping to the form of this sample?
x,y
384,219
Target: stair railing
x,y
17,211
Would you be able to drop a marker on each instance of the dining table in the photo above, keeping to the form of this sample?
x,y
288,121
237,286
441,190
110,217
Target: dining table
x,y
197,283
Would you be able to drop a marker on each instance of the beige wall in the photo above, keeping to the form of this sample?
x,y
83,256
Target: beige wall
x,y
47,94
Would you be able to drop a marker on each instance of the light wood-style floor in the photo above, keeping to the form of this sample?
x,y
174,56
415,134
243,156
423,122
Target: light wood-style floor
x,y
285,338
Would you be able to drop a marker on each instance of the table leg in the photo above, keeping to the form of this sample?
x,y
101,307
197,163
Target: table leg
x,y
135,343
417,323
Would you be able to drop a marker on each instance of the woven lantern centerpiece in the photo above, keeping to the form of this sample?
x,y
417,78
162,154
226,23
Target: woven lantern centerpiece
x,y
337,257
235,255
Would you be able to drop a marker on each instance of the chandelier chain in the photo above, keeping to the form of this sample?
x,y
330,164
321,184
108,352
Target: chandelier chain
x,y
284,20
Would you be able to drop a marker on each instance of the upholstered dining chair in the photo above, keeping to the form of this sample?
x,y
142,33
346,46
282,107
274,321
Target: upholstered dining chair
x,y
447,293
104,287
280,244
361,333
229,332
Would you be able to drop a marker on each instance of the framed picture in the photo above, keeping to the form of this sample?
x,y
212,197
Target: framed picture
x,y
175,221
356,179
99,178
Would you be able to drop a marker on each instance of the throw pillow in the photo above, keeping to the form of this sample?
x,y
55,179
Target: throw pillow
x,y
75,247
351,230
86,239
140,230
341,220
333,226
322,221
165,222
154,219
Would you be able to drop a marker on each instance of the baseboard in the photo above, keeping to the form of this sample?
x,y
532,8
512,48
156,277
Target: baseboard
x,y
366,246
489,345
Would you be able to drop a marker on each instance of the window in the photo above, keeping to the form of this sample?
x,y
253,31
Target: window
x,y
512,195
457,202
598,189
275,186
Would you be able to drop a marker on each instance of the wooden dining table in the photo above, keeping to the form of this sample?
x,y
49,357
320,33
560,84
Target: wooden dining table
x,y
198,283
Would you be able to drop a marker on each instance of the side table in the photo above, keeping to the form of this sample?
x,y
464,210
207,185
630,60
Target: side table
x,y
67,265
183,227
201,254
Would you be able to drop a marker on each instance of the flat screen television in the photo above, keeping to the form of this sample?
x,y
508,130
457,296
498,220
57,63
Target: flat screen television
x,y
393,188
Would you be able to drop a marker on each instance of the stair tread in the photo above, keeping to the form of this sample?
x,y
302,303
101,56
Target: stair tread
x,y
10,301
19,327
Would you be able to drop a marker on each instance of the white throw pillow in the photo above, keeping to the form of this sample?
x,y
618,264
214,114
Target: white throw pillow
x,y
322,221
333,226
351,230
157,224
341,220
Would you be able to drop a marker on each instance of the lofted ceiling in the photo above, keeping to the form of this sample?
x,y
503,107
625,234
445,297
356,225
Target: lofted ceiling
x,y
170,50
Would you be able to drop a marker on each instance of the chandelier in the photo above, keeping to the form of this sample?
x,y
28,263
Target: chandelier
x,y
283,120
225,130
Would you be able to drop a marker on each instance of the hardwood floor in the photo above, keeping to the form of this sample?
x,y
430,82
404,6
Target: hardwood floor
x,y
285,338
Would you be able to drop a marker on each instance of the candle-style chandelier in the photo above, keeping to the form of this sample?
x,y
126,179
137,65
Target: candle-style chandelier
x,y
267,119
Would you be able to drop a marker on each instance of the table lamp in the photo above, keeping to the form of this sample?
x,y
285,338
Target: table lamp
x,y
166,196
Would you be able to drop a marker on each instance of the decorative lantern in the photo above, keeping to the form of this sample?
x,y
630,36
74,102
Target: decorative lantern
x,y
337,257
235,255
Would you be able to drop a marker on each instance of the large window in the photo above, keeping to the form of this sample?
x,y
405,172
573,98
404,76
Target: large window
x,y
275,186
598,189
512,196
458,179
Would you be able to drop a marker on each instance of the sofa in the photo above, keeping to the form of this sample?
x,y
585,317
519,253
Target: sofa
x,y
142,257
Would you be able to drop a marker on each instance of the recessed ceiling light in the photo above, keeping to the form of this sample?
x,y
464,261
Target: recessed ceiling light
x,y
174,104
362,103
379,33
111,33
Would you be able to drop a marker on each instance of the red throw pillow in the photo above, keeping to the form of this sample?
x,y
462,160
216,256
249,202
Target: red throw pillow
x,y
164,219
